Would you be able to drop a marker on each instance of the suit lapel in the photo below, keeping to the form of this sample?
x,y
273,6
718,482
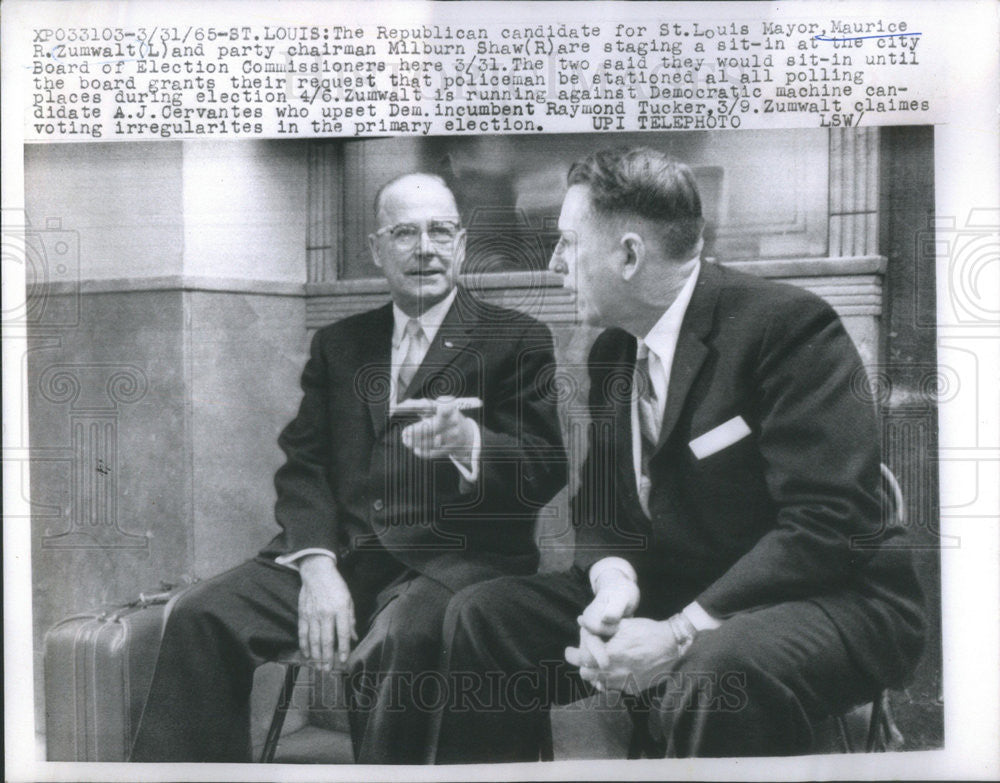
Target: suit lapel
x,y
689,357
449,343
691,350
376,348
621,411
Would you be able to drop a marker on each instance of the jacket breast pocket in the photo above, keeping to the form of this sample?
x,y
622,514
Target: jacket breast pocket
x,y
720,437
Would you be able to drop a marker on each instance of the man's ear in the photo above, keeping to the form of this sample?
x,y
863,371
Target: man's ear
x,y
458,254
373,249
634,254
700,247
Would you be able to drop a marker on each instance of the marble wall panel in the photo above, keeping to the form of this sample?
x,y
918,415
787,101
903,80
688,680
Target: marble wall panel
x,y
246,356
110,455
153,424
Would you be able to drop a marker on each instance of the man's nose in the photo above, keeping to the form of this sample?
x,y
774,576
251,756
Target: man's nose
x,y
425,246
557,264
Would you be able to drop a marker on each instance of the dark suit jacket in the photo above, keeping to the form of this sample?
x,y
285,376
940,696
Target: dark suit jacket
x,y
788,512
350,486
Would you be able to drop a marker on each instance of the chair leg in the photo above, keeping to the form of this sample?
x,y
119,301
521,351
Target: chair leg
x,y
845,735
635,744
892,737
641,743
876,740
280,710
546,751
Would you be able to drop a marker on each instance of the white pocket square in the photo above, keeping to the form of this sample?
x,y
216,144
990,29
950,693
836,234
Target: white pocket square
x,y
726,434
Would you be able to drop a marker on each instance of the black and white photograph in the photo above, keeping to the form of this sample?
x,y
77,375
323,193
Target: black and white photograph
x,y
599,450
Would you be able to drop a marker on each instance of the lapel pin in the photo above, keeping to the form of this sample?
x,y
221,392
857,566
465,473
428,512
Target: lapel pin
x,y
449,344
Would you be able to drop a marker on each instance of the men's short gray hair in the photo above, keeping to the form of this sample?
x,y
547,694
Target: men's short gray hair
x,y
649,184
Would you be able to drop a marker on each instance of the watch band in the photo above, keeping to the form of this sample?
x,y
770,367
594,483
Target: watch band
x,y
683,631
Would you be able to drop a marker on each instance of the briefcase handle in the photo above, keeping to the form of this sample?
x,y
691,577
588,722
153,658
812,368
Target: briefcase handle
x,y
145,600
165,593
152,599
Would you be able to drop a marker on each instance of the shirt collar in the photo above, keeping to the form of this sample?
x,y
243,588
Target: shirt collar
x,y
662,338
430,320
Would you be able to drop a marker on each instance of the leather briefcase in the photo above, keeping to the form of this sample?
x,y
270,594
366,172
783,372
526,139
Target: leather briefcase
x,y
98,668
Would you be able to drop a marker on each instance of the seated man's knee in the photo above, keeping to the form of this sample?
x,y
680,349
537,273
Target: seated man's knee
x,y
724,697
405,633
410,638
191,608
204,606
471,611
718,673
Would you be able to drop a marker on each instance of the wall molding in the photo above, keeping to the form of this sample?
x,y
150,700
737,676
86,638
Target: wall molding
x,y
129,285
852,285
852,281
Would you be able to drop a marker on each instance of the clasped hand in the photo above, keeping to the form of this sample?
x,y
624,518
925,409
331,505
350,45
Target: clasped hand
x,y
629,661
448,433
618,652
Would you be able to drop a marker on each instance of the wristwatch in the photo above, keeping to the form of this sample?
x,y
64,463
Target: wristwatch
x,y
683,631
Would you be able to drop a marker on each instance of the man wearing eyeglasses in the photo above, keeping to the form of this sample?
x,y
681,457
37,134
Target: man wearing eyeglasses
x,y
417,462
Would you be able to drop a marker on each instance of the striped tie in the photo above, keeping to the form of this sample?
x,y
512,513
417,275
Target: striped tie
x,y
416,349
649,421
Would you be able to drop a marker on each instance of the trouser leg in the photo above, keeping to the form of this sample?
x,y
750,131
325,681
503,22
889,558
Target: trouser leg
x,y
504,643
393,680
753,686
218,632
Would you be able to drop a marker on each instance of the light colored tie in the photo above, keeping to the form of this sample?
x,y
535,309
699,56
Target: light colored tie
x,y
416,349
649,421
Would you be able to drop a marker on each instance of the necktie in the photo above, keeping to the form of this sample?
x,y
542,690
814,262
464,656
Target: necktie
x,y
416,348
649,420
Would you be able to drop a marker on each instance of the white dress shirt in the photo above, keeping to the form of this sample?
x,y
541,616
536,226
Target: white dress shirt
x,y
661,342
430,322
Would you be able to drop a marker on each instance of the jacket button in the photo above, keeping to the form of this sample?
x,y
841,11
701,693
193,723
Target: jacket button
x,y
378,505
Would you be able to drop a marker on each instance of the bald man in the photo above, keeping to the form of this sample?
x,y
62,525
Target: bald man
x,y
393,497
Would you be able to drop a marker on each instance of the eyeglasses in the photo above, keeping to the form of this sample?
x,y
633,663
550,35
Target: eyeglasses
x,y
406,236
